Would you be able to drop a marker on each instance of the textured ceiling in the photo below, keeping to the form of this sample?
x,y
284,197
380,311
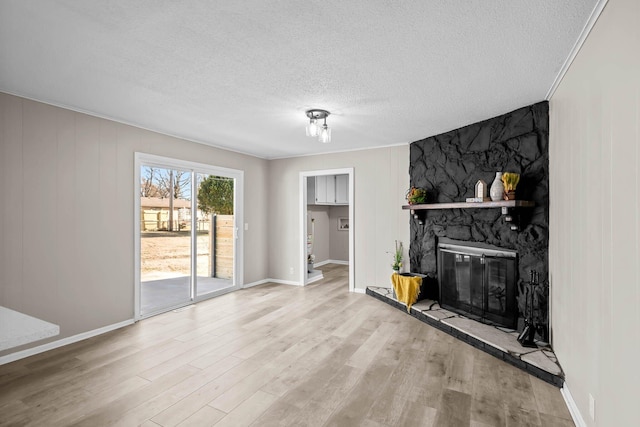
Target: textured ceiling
x,y
240,74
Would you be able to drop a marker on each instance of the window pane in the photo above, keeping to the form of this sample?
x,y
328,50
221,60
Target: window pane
x,y
165,242
215,232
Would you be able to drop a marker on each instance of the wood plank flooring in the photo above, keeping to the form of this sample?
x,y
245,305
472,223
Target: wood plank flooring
x,y
276,355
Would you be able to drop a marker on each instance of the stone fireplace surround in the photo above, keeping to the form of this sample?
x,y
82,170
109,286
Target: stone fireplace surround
x,y
449,165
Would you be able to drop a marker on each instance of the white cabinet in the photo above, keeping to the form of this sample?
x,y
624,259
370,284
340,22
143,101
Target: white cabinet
x,y
342,189
322,194
328,190
317,190
331,189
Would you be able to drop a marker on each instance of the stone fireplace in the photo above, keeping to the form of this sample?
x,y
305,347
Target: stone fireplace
x,y
448,166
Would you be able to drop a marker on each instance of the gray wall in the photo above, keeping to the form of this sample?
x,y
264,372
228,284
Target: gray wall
x,y
595,219
338,239
67,212
381,179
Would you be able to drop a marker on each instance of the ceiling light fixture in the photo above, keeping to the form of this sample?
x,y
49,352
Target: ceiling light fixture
x,y
322,132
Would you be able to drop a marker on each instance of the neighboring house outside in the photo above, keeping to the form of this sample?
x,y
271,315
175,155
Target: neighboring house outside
x,y
155,214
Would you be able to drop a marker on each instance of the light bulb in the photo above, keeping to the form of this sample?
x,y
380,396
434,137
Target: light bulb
x,y
325,134
312,128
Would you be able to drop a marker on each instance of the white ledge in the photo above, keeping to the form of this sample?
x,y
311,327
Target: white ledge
x,y
17,329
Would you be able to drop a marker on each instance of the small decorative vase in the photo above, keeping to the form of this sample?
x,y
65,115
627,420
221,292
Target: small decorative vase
x,y
510,195
497,188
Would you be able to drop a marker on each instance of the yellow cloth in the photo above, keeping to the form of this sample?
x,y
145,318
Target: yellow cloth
x,y
407,288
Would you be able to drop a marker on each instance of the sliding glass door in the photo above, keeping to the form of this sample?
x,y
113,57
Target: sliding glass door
x,y
187,232
165,238
215,234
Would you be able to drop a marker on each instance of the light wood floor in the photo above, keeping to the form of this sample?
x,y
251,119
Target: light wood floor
x,y
276,355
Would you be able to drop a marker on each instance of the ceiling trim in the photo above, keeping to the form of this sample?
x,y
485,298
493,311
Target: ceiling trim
x,y
124,122
591,22
294,156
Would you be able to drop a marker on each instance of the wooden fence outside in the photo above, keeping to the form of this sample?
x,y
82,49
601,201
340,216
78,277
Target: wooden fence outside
x,y
222,262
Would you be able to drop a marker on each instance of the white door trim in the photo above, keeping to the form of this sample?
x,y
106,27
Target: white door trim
x,y
303,221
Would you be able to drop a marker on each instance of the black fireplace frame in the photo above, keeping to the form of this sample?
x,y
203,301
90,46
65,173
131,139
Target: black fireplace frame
x,y
480,255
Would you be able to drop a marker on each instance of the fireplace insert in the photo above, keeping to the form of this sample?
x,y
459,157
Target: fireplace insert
x,y
478,281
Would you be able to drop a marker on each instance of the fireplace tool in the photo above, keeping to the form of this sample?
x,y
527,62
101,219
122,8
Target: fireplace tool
x,y
527,336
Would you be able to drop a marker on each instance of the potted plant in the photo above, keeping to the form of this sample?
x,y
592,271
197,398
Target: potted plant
x,y
510,181
416,196
397,258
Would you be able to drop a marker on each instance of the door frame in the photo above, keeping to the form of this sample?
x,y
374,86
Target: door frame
x,y
141,159
303,221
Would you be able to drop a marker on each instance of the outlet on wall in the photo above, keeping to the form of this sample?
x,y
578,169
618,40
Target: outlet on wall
x,y
290,270
592,407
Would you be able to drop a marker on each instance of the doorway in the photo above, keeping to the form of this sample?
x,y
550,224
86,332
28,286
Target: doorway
x,y
326,206
187,235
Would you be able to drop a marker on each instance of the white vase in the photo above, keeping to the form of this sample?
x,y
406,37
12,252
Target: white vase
x,y
497,188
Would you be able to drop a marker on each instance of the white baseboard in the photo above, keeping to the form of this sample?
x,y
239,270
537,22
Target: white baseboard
x,y
263,281
284,282
359,291
315,279
294,283
330,261
252,284
62,342
281,282
573,408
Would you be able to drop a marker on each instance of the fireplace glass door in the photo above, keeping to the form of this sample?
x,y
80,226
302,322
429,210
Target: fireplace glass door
x,y
479,283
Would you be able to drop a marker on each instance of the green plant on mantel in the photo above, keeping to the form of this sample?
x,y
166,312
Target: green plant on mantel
x,y
416,196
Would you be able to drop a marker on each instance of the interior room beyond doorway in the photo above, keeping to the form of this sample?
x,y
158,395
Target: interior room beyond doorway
x,y
326,219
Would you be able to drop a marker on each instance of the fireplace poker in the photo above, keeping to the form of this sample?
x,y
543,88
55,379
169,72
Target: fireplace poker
x,y
527,336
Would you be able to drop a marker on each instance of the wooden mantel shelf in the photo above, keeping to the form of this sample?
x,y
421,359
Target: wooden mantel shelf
x,y
471,205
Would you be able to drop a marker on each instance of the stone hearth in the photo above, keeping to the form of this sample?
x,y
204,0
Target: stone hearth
x,y
500,342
